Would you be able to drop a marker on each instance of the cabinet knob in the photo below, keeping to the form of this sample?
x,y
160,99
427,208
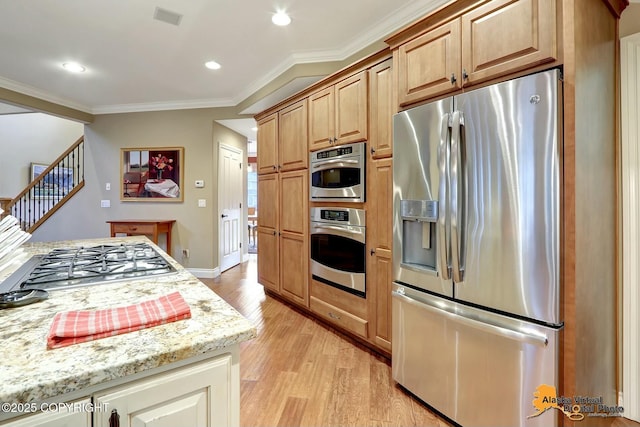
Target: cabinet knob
x,y
453,78
274,232
373,150
114,418
465,76
274,167
372,252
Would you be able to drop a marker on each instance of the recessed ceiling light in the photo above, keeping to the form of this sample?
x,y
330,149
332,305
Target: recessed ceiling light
x,y
212,65
74,67
281,19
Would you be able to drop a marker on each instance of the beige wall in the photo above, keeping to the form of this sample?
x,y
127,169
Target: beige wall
x,y
27,138
196,228
630,20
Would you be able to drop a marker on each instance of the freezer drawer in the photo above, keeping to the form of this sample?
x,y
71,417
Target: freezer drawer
x,y
475,367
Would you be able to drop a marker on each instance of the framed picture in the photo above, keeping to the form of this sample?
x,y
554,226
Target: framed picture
x,y
56,184
152,174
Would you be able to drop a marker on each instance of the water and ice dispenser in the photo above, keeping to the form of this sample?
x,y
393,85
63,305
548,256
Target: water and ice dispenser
x,y
419,243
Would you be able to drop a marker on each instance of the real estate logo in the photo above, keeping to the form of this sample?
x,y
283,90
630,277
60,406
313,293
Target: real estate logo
x,y
576,408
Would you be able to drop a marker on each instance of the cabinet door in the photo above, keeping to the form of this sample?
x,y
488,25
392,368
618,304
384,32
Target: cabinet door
x,y
268,201
200,395
531,29
430,64
268,144
268,259
294,205
380,238
381,114
351,109
321,119
293,150
63,417
294,267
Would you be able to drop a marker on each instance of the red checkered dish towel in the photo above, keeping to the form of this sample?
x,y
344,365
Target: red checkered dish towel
x,y
73,327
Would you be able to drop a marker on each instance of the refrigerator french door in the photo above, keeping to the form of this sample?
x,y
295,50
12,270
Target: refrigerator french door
x,y
476,313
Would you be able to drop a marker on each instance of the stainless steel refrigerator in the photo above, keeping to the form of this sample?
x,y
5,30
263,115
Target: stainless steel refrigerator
x,y
476,293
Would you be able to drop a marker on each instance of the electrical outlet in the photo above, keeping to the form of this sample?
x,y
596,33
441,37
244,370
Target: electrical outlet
x,y
185,253
105,203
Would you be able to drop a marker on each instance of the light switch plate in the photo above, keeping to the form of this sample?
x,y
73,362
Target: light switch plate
x,y
105,203
202,203
107,186
199,183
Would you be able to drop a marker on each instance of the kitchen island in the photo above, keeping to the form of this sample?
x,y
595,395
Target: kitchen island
x,y
31,376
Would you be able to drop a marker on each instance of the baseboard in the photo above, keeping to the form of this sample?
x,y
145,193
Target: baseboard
x,y
205,273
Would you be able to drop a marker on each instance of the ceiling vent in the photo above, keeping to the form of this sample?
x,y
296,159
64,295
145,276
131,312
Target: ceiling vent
x,y
167,16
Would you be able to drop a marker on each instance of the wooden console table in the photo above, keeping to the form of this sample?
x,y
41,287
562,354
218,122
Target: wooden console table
x,y
146,227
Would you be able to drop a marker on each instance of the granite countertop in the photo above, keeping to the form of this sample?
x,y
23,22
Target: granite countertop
x,y
31,373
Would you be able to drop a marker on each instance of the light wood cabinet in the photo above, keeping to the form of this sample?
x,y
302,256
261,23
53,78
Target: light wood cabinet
x,y
381,101
341,308
430,64
495,39
531,40
292,148
379,240
267,136
282,140
338,114
200,395
283,252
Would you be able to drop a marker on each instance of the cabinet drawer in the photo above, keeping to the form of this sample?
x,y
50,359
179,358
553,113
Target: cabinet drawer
x,y
133,228
339,317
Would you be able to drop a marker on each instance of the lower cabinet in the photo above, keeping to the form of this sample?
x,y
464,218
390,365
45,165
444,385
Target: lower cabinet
x,y
202,394
283,253
61,415
339,307
199,395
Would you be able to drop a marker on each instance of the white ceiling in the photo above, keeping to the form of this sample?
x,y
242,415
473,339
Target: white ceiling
x,y
137,63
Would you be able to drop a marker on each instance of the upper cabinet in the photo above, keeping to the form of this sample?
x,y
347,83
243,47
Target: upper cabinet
x,y
381,102
503,36
430,64
282,140
338,113
497,38
293,151
268,144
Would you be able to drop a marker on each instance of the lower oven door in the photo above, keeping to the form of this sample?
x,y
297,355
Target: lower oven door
x,y
338,256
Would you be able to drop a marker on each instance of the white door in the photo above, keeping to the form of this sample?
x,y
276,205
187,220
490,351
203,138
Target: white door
x,y
630,182
230,197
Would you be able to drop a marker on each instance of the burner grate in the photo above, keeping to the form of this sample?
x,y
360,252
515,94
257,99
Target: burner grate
x,y
73,267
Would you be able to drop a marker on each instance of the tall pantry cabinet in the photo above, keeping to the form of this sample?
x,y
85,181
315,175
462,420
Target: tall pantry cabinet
x,y
283,196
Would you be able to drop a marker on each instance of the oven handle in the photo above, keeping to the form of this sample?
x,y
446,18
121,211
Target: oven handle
x,y
359,235
328,164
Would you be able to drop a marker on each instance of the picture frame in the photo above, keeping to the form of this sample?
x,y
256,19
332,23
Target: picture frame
x,y
57,184
152,174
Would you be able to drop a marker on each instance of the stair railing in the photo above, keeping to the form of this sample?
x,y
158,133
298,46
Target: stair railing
x,y
51,189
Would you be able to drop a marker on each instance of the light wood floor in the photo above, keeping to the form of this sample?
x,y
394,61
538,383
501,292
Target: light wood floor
x,y
298,372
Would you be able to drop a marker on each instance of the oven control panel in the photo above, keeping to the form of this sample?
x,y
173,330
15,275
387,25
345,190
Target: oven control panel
x,y
335,215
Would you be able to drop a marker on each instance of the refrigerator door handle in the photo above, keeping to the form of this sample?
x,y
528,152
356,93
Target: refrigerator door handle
x,y
457,207
443,198
495,329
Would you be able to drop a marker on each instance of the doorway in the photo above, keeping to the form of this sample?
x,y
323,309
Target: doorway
x,y
229,206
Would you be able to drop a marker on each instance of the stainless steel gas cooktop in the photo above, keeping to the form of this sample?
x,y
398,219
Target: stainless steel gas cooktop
x,y
82,266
